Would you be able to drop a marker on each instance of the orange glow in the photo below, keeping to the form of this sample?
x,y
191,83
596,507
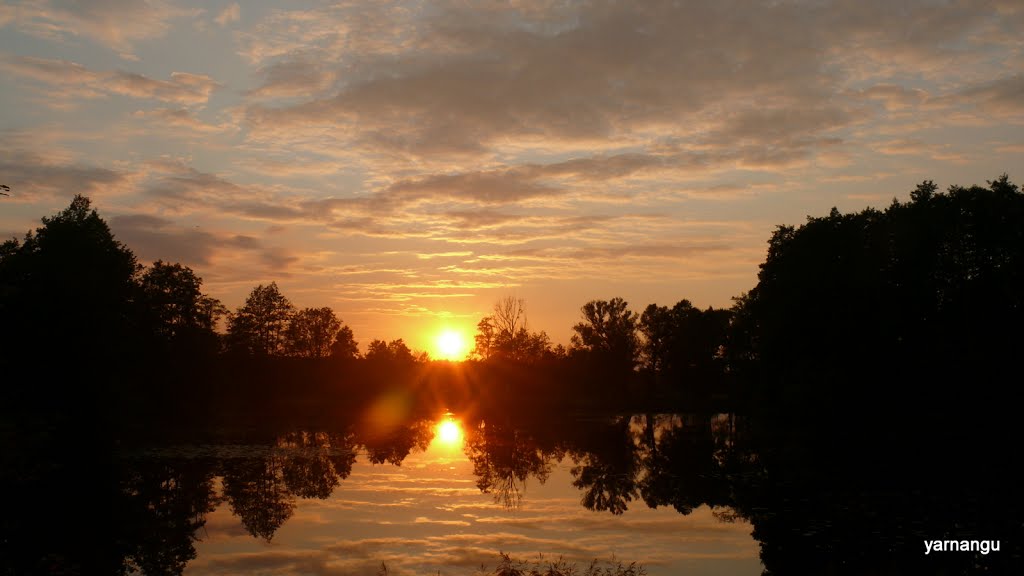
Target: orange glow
x,y
449,432
451,345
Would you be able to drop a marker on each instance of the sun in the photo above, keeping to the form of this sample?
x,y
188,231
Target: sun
x,y
451,345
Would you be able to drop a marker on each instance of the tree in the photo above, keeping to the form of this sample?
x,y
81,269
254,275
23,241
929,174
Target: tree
x,y
259,326
504,334
608,333
684,345
69,284
875,311
311,332
394,352
345,345
175,308
657,326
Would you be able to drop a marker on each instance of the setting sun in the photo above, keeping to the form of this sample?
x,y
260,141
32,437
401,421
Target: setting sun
x,y
451,345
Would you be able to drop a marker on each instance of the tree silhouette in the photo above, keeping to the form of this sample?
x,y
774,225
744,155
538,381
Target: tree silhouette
x,y
311,332
178,312
608,327
503,459
256,490
876,355
504,334
166,503
608,333
684,346
607,467
309,472
259,326
69,285
392,444
345,345
851,309
685,469
394,352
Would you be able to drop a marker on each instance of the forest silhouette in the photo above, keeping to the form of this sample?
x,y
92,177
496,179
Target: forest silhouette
x,y
867,381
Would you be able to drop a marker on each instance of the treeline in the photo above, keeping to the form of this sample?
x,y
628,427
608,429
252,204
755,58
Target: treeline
x,y
855,310
89,322
874,365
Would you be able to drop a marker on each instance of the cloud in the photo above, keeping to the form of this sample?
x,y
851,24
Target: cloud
x,y
77,81
580,82
182,88
298,76
230,13
116,24
522,82
153,238
425,520
782,125
182,119
1000,97
448,83
34,177
330,33
895,97
431,256
492,187
500,143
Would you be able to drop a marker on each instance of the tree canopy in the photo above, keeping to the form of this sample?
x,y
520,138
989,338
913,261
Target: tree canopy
x,y
504,334
174,306
258,327
70,284
608,331
890,306
311,332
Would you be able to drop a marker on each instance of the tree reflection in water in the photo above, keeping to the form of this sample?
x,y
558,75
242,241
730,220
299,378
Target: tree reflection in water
x,y
806,508
256,491
504,457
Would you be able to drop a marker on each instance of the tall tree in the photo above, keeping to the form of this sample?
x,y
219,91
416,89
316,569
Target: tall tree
x,y
608,332
684,345
69,284
345,345
311,332
259,326
873,312
504,334
174,306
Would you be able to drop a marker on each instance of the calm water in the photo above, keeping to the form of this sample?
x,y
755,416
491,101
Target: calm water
x,y
444,494
428,514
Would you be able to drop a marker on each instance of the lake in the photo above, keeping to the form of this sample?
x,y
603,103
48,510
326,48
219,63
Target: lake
x,y
396,490
437,495
426,513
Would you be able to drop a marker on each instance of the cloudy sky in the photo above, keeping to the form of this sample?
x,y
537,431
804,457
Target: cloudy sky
x,y
408,163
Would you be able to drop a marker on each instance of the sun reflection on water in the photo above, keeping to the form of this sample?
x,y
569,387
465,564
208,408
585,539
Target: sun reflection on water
x,y
448,433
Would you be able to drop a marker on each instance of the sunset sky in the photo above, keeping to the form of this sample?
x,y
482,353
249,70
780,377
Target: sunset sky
x,y
409,163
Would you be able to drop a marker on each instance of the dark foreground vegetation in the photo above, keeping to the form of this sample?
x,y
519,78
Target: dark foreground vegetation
x,y
869,377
